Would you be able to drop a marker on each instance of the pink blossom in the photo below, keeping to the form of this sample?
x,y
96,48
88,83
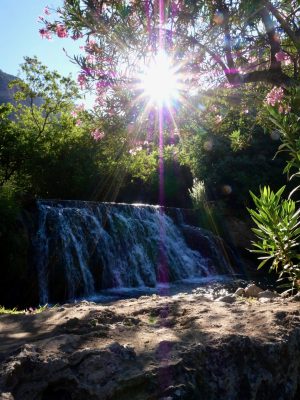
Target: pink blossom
x,y
81,107
47,11
81,80
284,109
78,122
99,101
274,96
281,56
61,31
228,85
74,113
90,59
252,60
97,134
45,34
76,36
91,42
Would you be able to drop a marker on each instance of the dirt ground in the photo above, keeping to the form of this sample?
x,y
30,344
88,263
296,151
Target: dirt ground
x,y
145,322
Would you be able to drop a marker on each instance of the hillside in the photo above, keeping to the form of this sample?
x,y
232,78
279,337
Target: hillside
x,y
6,95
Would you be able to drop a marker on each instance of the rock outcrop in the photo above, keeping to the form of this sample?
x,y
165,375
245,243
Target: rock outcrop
x,y
153,348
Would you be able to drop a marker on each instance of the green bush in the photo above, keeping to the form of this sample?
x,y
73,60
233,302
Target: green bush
x,y
278,233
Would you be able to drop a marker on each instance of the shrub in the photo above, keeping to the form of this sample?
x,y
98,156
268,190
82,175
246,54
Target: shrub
x,y
278,233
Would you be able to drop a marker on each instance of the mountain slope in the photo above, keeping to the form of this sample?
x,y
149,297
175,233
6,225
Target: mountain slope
x,y
6,94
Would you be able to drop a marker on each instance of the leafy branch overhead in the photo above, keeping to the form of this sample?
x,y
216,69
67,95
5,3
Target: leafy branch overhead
x,y
237,42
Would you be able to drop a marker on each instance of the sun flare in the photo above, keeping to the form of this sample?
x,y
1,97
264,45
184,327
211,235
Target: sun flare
x,y
160,81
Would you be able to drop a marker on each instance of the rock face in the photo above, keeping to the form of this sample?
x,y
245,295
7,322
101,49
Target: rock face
x,y
6,94
153,348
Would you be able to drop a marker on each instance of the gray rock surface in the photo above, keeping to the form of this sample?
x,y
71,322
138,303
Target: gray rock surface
x,y
267,294
227,299
153,349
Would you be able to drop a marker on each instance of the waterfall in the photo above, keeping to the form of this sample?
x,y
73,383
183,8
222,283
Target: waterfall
x,y
83,247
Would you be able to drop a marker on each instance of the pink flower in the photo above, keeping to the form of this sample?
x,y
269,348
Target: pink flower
x,y
81,80
74,113
284,109
45,34
274,96
76,36
80,107
97,135
61,31
47,11
78,122
281,56
90,59
228,85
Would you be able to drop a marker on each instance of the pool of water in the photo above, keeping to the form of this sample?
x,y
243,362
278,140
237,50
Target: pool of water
x,y
212,287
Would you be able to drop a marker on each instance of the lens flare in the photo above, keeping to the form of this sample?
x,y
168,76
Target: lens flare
x,y
160,82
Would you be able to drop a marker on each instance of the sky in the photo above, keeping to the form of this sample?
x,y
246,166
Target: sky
x,y
19,37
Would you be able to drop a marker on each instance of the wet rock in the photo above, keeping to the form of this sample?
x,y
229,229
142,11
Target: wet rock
x,y
296,297
6,396
227,299
252,290
240,292
267,294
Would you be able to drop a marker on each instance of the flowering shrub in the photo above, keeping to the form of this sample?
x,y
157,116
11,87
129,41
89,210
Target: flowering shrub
x,y
275,98
278,219
97,134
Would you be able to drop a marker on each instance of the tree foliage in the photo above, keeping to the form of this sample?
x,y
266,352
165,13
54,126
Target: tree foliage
x,y
215,41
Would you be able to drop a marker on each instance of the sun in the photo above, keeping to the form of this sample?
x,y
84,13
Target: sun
x,y
160,80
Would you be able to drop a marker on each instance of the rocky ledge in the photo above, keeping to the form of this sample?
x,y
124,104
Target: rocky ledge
x,y
154,348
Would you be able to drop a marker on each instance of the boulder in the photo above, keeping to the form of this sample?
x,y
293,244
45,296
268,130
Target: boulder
x,y
267,294
227,299
240,292
252,290
296,297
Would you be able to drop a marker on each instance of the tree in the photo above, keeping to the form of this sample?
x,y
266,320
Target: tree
x,y
215,41
37,125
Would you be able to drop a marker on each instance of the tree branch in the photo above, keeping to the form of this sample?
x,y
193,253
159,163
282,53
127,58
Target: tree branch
x,y
284,24
274,77
271,34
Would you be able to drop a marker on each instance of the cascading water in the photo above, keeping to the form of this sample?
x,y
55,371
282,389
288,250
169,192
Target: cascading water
x,y
83,247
